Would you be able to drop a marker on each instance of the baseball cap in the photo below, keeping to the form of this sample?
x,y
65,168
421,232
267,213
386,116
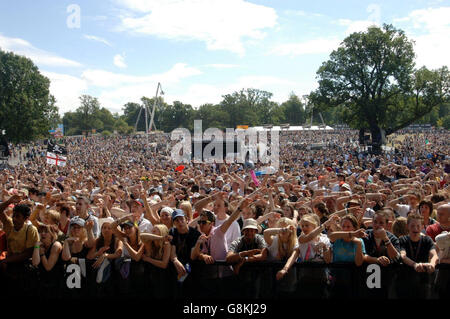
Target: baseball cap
x,y
77,221
167,210
250,223
138,201
127,223
153,190
177,213
354,201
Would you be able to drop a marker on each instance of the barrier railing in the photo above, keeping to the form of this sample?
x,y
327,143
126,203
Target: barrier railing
x,y
255,280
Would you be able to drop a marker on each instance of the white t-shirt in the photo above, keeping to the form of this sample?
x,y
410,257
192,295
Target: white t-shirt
x,y
443,243
273,249
145,226
311,247
403,210
233,232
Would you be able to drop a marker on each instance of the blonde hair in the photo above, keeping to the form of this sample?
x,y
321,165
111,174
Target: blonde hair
x,y
53,215
156,251
285,252
187,208
311,218
83,232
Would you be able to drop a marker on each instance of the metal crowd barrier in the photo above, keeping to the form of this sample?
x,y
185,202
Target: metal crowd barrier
x,y
254,281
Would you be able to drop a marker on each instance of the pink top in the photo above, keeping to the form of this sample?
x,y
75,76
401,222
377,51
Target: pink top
x,y
216,246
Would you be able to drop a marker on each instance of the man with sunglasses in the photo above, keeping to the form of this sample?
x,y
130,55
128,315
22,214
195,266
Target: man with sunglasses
x,y
212,244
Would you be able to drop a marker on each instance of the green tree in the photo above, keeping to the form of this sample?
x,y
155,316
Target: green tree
x,y
372,76
212,115
294,111
130,115
88,113
27,110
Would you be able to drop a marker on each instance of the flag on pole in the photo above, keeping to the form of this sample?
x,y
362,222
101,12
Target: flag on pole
x,y
55,159
52,147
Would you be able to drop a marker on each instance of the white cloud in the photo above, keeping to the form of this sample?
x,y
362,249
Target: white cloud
x,y
38,56
222,66
315,46
198,94
117,89
222,25
373,19
356,25
430,29
66,89
105,79
119,61
98,39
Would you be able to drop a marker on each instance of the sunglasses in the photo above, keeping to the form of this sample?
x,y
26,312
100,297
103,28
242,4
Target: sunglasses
x,y
203,222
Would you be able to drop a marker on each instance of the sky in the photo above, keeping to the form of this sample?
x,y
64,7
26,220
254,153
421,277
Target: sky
x,y
200,50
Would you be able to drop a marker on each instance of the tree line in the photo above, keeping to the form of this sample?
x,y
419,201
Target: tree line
x,y
369,82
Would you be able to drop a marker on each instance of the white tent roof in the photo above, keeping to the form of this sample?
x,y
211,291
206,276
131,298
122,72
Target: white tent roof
x,y
293,128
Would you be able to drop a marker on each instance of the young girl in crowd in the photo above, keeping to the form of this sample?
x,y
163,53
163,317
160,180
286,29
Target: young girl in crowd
x,y
47,259
76,248
282,245
105,251
132,268
156,253
313,244
347,247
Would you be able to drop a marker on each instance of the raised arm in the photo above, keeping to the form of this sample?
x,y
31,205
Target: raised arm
x,y
316,232
360,233
149,212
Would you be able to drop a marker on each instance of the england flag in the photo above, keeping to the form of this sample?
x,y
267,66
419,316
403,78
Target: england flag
x,y
55,159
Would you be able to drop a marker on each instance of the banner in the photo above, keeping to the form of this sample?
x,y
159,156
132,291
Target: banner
x,y
52,147
54,159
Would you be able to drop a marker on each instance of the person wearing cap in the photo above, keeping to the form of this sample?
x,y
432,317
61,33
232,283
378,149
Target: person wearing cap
x,y
345,187
212,245
82,211
76,248
137,209
184,238
164,217
81,239
208,186
219,183
248,249
21,237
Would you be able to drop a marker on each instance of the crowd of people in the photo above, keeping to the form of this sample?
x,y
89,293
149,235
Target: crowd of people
x,y
135,223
